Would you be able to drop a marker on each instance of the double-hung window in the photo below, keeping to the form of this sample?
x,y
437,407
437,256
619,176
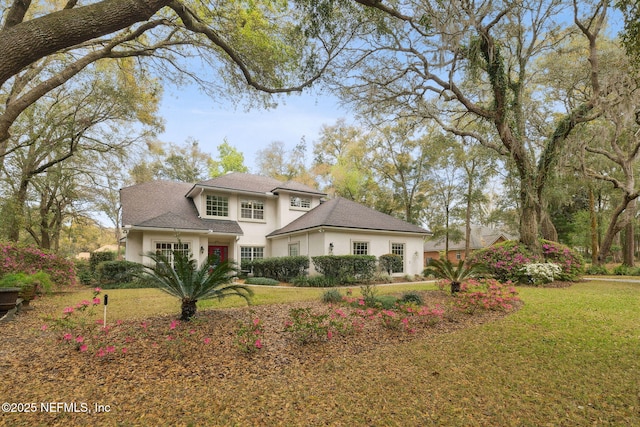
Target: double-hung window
x,y
398,249
252,209
169,248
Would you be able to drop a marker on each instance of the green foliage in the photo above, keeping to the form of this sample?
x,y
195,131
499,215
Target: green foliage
x,y
84,273
261,281
98,257
444,269
315,282
229,160
282,269
346,268
185,280
390,263
16,258
412,297
332,296
30,284
595,270
111,272
625,270
369,294
387,302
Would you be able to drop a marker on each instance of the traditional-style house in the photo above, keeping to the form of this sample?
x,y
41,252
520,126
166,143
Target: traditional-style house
x,y
243,216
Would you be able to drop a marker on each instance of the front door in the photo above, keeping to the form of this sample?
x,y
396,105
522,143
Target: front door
x,y
221,253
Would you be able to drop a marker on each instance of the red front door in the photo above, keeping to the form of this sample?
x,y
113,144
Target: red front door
x,y
220,252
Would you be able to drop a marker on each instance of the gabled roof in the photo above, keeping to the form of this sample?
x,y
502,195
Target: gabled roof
x,y
162,204
343,213
244,182
481,237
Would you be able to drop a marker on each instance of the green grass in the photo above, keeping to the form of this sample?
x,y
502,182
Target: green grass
x,y
568,357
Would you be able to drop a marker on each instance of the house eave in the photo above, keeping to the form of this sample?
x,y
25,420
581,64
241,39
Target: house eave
x,y
323,228
129,228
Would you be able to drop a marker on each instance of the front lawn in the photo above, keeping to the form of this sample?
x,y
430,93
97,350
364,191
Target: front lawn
x,y
568,356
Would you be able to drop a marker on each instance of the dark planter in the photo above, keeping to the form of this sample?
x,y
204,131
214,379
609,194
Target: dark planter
x,y
27,293
8,298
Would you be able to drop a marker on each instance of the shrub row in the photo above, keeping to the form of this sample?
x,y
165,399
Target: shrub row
x,y
281,268
346,268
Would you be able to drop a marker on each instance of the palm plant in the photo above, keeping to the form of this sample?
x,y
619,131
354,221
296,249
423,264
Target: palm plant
x,y
190,283
445,269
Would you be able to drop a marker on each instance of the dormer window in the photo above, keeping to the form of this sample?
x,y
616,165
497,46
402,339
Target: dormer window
x,y
217,206
300,202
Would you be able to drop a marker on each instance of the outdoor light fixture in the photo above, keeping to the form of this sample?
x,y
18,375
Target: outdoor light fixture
x,y
201,250
331,248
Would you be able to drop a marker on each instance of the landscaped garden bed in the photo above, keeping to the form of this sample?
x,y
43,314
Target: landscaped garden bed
x,y
484,368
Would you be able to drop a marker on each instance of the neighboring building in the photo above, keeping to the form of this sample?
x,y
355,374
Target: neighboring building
x,y
481,237
242,216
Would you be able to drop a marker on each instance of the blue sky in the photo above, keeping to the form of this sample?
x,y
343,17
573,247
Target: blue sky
x,y
190,113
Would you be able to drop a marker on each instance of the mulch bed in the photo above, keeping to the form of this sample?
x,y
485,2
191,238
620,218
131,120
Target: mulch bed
x,y
31,356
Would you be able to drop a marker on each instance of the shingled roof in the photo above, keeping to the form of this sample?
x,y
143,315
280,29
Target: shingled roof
x,y
343,213
245,182
481,237
162,204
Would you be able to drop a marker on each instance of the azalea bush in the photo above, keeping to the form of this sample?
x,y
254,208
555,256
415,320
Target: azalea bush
x,y
78,329
505,261
541,273
485,294
249,336
16,258
570,262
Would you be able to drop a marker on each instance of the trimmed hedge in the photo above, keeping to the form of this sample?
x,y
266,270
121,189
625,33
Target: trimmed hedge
x,y
390,263
110,272
282,269
95,258
346,268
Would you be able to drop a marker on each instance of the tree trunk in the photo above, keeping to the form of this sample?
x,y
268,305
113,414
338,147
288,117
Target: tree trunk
x,y
188,309
615,226
593,227
629,240
529,219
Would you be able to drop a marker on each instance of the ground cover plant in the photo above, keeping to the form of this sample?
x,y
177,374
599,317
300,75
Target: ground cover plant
x,y
568,356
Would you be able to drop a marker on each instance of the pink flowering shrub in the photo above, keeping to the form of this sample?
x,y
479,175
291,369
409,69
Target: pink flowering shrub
x,y
570,262
485,294
77,328
249,336
505,261
16,258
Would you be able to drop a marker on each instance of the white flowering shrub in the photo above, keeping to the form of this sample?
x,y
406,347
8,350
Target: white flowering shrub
x,y
540,273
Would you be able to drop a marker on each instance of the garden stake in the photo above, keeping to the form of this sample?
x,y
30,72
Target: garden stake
x,y
106,301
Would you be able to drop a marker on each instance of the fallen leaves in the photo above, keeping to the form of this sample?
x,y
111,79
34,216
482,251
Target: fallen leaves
x,y
192,373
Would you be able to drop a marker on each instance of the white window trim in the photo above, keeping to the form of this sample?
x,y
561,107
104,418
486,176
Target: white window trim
x,y
353,242
206,213
264,210
293,207
403,256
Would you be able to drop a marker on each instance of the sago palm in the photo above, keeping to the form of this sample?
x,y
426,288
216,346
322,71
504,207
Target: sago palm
x,y
444,269
190,283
